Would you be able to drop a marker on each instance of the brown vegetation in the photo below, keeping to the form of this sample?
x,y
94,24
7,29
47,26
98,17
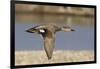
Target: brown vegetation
x,y
59,56
54,9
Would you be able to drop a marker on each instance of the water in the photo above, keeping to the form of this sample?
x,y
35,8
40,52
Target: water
x,y
81,39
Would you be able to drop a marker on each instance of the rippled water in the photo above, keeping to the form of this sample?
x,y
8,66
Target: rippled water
x,y
81,39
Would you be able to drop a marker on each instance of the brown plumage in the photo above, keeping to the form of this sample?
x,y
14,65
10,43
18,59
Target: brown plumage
x,y
48,32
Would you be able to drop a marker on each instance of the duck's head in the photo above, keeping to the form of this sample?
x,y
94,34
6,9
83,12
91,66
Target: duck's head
x,y
67,29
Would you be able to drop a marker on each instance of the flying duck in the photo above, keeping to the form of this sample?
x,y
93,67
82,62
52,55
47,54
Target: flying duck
x,y
48,32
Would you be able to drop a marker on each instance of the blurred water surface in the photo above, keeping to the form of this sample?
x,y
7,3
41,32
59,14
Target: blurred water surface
x,y
81,39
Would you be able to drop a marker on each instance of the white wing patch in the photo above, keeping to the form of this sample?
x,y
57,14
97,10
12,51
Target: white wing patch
x,y
42,31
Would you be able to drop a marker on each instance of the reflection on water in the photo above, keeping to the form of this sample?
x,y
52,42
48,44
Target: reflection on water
x,y
82,38
59,19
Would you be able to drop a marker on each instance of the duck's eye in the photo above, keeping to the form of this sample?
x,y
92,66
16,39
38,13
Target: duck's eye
x,y
42,31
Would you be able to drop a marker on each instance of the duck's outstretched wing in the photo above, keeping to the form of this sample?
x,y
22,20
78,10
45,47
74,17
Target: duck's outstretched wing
x,y
49,41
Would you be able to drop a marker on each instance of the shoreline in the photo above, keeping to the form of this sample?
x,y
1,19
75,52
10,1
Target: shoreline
x,y
59,56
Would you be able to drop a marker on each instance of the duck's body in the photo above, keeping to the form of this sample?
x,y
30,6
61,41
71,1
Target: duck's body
x,y
48,32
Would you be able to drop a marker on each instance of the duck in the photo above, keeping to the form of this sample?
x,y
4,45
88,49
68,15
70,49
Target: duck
x,y
48,32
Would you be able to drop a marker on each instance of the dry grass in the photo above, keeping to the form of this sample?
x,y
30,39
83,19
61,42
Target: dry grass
x,y
59,56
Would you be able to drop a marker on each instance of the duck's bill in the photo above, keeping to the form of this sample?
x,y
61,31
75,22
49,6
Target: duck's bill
x,y
67,30
31,30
